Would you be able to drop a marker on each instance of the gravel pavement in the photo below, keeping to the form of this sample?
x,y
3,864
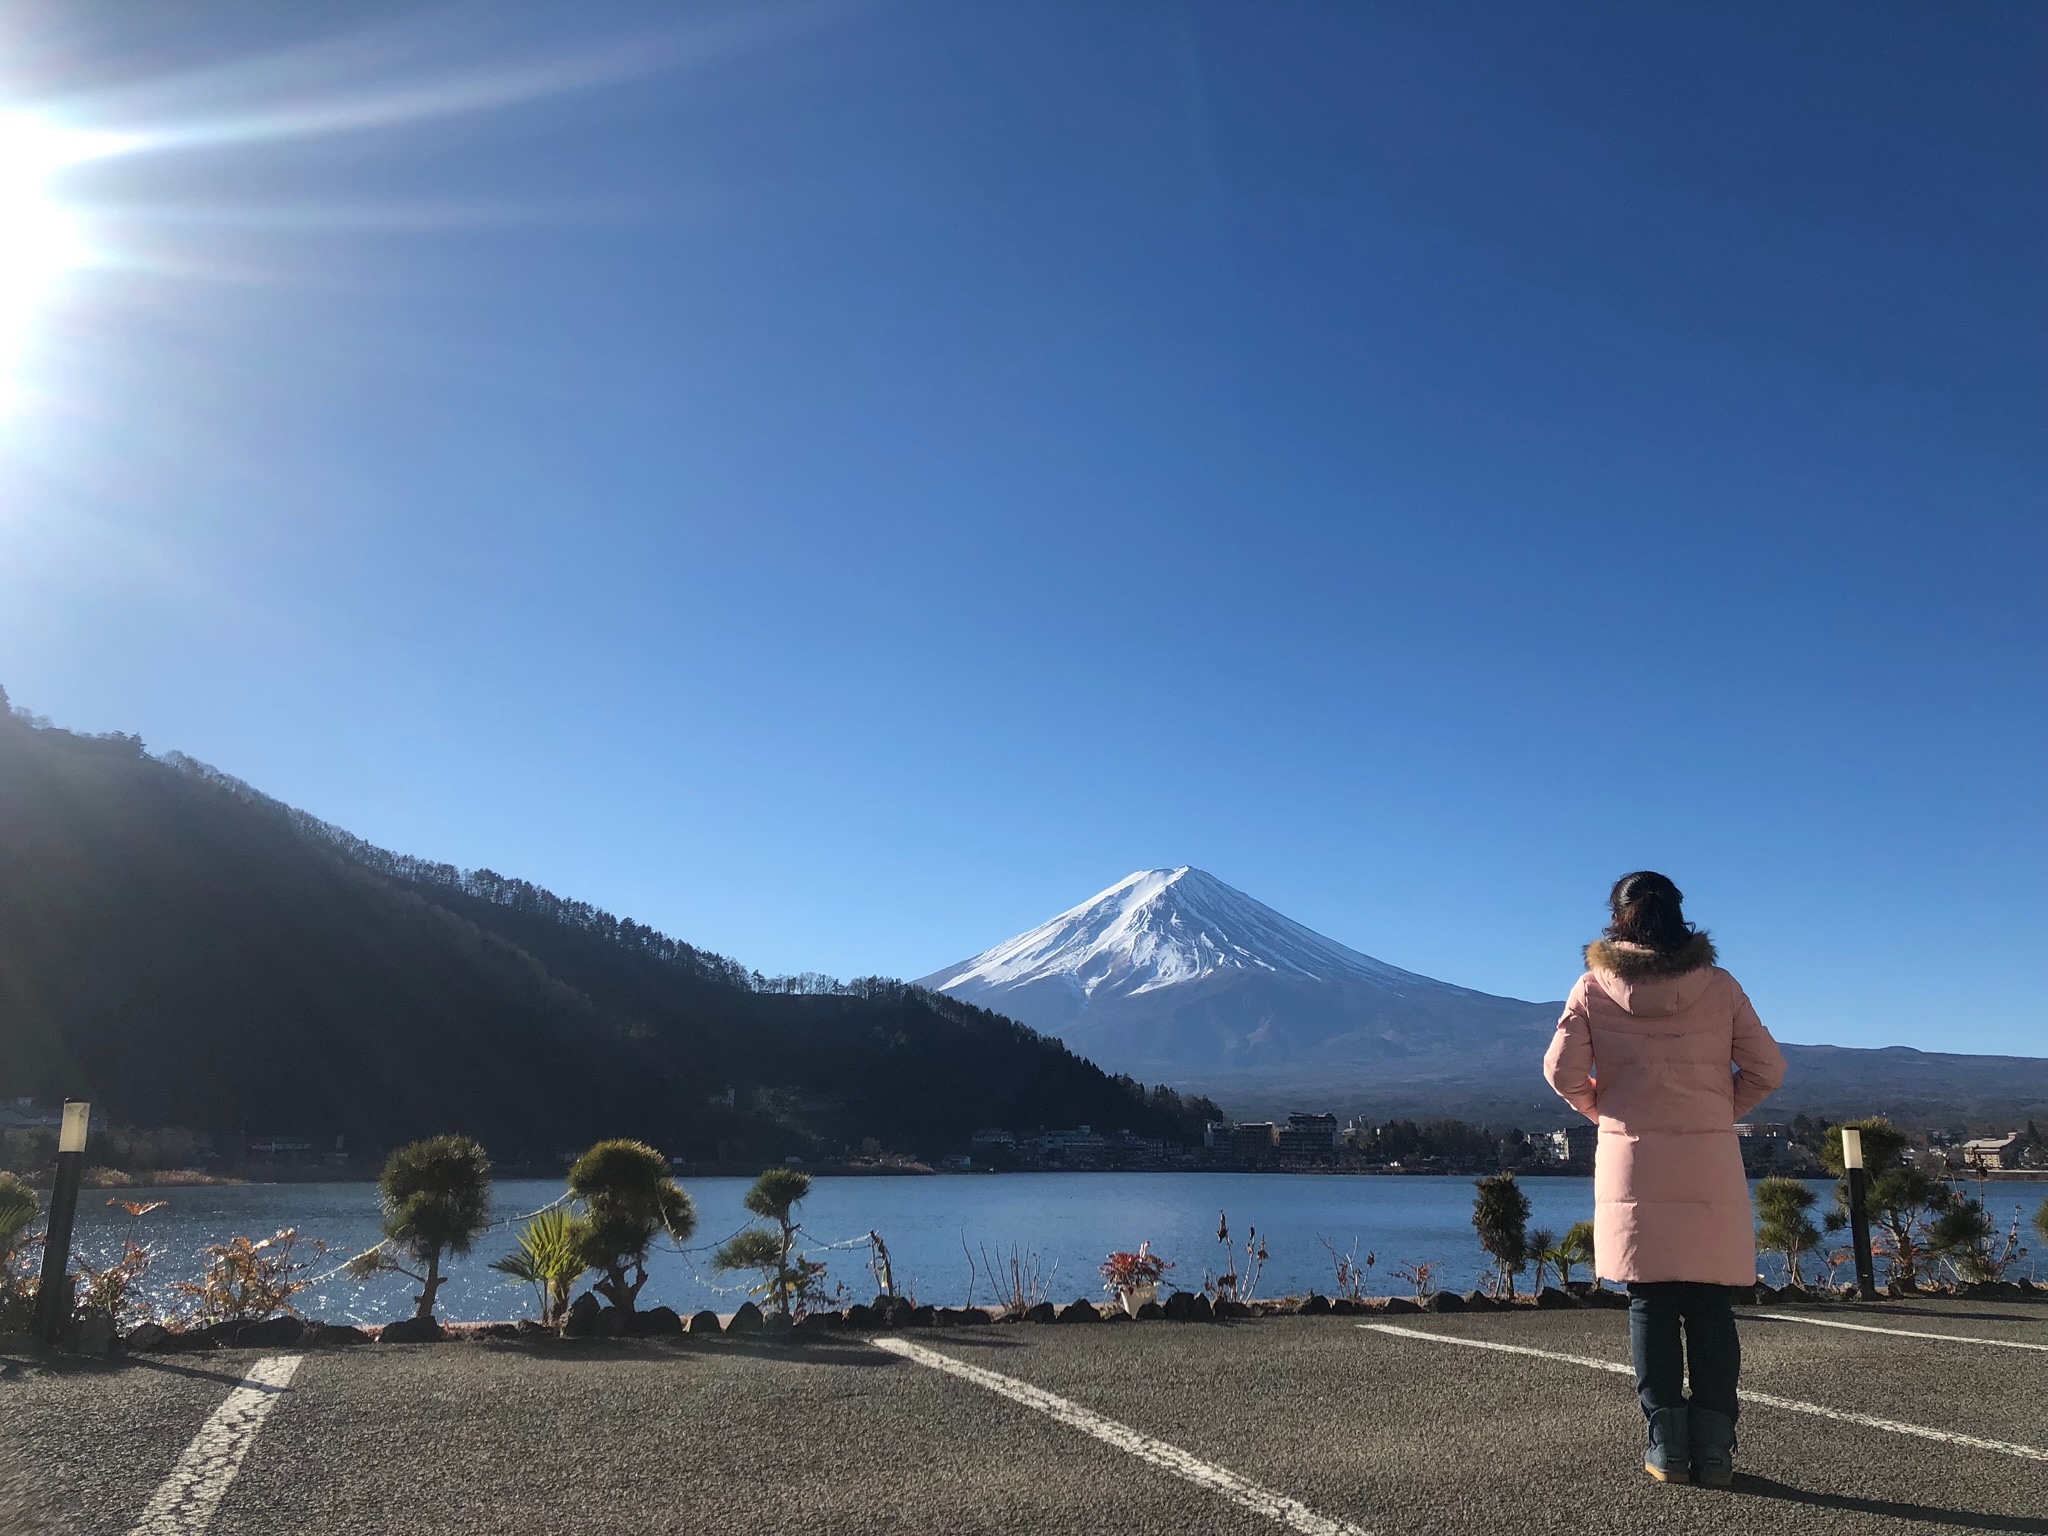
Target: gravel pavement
x,y
1313,1424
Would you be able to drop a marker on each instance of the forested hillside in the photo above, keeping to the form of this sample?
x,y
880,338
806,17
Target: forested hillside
x,y
185,951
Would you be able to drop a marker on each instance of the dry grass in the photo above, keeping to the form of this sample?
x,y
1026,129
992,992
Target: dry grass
x,y
1021,1279
154,1178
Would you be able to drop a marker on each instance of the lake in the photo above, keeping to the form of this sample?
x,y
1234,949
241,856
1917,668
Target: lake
x,y
1071,1220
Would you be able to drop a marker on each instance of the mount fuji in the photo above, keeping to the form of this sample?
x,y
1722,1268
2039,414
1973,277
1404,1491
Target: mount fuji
x,y
1172,976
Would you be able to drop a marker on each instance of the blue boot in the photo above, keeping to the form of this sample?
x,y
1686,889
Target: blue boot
x,y
1713,1448
1669,1458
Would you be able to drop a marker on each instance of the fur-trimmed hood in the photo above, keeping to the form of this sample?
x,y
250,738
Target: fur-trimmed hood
x,y
1631,962
1652,983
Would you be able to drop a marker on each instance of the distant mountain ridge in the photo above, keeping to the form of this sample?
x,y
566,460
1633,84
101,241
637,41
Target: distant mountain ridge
x,y
183,950
1173,975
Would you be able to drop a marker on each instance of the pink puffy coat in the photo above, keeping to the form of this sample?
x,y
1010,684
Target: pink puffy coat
x,y
1646,1047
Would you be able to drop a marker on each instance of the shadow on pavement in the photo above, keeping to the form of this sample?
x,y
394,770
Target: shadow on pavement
x,y
61,1365
661,1353
1925,1314
1964,1519
139,1363
811,1352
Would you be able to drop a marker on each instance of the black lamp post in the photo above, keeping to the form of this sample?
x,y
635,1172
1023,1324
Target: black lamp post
x,y
1859,1217
53,1294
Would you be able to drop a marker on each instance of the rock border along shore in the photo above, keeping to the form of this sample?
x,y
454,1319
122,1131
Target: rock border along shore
x,y
589,1320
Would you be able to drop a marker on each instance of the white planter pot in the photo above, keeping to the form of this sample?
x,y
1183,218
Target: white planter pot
x,y
1137,1296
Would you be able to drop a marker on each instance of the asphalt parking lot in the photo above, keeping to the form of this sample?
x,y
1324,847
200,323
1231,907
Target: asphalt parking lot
x,y
1325,1425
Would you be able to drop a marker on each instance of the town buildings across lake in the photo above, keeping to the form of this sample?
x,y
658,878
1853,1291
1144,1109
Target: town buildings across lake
x,y
942,1233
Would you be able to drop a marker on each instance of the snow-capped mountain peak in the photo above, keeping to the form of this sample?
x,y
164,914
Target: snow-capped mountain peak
x,y
1172,976
1160,928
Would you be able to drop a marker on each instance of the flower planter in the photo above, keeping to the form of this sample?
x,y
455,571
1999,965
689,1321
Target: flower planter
x,y
1133,1278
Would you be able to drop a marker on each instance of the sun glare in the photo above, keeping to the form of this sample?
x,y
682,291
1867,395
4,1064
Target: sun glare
x,y
39,237
44,236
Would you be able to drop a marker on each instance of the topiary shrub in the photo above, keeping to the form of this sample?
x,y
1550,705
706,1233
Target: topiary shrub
x,y
629,1200
792,1284
1783,1227
1500,1215
437,1200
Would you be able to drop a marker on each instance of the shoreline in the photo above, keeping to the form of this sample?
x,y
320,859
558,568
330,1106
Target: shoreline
x,y
249,1178
279,1179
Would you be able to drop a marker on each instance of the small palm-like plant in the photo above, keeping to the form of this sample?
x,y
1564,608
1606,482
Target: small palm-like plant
x,y
1543,1254
1575,1249
437,1201
629,1200
549,1258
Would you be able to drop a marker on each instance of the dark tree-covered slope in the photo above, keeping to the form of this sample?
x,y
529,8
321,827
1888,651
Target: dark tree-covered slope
x,y
185,951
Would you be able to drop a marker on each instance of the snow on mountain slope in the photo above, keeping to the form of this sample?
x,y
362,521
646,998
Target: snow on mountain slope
x,y
1161,928
1173,976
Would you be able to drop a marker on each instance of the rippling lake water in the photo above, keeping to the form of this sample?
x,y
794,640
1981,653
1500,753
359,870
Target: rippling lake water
x,y
1070,1219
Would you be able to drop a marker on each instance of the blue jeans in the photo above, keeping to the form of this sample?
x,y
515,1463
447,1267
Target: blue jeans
x,y
1658,1313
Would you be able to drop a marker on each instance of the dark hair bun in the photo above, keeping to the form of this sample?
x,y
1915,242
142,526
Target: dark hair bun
x,y
1648,909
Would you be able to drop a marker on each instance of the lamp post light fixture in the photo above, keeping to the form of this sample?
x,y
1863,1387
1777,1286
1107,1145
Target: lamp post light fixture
x,y
1859,1216
53,1294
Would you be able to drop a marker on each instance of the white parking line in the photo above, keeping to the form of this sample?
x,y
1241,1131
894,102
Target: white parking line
x,y
1241,1491
1762,1399
1904,1333
184,1505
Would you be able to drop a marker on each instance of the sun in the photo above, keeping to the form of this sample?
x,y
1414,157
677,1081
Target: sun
x,y
39,238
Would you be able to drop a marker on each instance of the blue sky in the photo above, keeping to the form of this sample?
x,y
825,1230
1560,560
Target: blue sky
x,y
844,483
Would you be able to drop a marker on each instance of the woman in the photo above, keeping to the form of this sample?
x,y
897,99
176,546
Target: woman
x,y
1662,1048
